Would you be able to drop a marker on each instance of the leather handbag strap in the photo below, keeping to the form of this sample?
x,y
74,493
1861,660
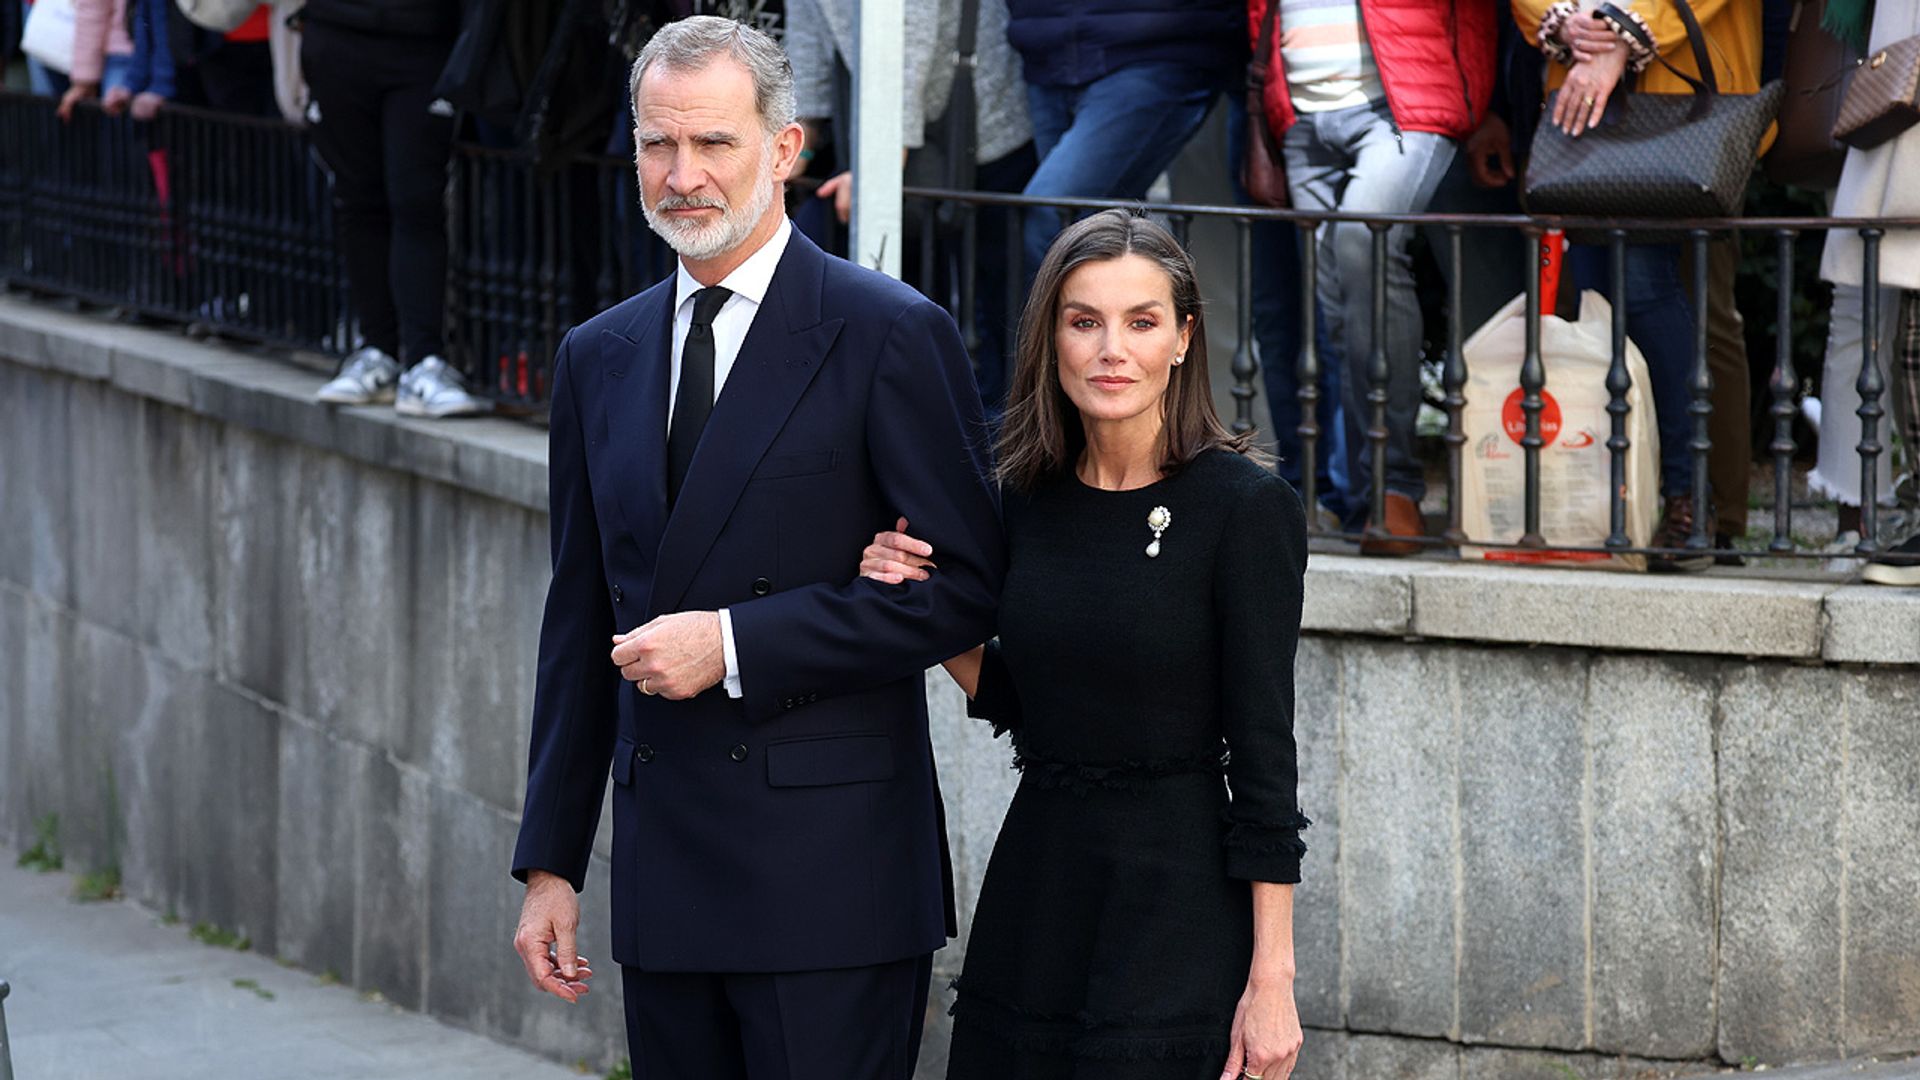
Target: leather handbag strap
x,y
969,31
1696,37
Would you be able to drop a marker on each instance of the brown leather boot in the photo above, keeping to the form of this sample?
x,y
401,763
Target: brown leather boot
x,y
1676,525
1403,519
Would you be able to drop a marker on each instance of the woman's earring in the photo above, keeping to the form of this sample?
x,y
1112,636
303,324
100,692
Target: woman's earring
x,y
1180,359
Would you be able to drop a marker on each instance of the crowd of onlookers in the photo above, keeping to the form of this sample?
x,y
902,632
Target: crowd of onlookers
x,y
1349,106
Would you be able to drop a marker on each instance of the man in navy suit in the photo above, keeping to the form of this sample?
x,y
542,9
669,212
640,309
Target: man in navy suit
x,y
724,445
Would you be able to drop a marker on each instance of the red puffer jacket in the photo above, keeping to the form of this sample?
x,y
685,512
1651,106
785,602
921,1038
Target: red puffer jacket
x,y
1435,59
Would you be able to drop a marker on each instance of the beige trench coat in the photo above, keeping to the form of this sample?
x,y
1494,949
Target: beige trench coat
x,y
1881,182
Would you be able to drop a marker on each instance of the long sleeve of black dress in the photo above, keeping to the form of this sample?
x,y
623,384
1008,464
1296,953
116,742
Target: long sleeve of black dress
x,y
994,698
1258,579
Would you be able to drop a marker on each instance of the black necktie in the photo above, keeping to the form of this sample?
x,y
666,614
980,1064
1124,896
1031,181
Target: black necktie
x,y
695,398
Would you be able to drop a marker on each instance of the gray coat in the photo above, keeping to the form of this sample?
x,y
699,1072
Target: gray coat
x,y
817,29
1881,182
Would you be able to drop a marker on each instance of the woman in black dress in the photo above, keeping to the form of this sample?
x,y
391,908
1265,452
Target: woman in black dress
x,y
1136,918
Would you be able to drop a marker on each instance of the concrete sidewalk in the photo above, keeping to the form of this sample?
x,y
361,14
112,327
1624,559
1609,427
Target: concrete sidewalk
x,y
106,991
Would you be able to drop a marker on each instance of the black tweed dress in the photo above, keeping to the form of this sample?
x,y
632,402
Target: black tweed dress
x,y
1150,700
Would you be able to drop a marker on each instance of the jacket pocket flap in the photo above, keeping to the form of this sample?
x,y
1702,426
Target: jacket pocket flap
x,y
623,762
830,759
799,463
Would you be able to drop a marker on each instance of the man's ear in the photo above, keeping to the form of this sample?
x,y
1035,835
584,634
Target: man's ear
x,y
786,150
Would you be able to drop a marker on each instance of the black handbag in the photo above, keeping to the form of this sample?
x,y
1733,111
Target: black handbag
x,y
1655,155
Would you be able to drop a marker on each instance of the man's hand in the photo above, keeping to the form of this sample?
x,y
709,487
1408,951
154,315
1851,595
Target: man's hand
x,y
1490,153
146,105
839,188
549,918
676,656
116,100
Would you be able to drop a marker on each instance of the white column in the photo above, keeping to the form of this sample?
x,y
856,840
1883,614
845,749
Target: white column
x,y
878,83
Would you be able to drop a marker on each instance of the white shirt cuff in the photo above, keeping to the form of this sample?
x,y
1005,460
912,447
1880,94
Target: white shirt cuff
x,y
732,681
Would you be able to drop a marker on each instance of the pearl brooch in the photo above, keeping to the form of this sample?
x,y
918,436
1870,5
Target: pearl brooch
x,y
1157,519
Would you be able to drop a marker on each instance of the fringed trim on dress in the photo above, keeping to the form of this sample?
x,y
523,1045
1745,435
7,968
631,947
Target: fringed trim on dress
x,y
1081,777
1263,838
1096,1038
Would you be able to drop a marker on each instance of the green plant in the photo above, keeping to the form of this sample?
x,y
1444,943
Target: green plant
x,y
621,1071
259,991
329,977
98,885
44,855
219,938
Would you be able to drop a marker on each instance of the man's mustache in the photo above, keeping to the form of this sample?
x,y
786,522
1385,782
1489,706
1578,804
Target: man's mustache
x,y
689,202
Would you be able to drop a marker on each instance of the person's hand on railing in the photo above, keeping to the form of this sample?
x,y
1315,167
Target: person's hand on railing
x,y
115,100
1583,97
77,92
146,105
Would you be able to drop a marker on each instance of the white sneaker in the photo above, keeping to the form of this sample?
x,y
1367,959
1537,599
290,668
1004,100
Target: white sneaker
x,y
1843,546
367,377
432,389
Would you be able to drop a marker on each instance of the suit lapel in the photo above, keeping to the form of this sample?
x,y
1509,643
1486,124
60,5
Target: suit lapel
x,y
778,360
635,388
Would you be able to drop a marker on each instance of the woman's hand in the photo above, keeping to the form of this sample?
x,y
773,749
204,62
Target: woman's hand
x,y
1589,36
894,557
77,92
1583,97
1266,1032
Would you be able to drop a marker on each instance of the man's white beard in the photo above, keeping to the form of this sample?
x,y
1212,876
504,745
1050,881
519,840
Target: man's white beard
x,y
692,239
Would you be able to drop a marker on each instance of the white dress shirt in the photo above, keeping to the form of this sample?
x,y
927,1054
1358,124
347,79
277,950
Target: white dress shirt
x,y
749,283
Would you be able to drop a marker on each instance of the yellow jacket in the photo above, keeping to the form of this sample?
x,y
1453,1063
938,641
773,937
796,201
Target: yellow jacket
x,y
1732,30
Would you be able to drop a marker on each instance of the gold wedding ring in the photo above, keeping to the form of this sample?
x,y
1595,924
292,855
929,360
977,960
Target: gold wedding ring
x,y
1250,1075
644,688
1589,102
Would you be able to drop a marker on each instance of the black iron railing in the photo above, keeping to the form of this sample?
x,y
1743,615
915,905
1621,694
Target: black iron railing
x,y
226,223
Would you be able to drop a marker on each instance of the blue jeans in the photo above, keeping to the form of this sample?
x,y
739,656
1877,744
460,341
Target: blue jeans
x,y
1355,161
1660,321
1276,317
1111,138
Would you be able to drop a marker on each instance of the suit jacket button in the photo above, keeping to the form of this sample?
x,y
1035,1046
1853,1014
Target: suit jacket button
x,y
738,753
644,753
761,586
618,596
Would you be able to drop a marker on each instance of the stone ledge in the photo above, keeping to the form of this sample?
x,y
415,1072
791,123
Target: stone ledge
x,y
1713,613
506,460
499,458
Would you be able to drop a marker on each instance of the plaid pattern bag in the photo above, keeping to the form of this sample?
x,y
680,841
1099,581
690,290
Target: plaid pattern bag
x,y
1905,376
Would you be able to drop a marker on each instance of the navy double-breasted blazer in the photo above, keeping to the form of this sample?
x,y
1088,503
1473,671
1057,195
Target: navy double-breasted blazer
x,y
796,828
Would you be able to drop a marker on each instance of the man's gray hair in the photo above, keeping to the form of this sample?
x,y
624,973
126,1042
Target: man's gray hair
x,y
692,43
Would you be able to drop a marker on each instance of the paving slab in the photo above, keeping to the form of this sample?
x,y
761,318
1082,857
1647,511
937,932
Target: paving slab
x,y
106,991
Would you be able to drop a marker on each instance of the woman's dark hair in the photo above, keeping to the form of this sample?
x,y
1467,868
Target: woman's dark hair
x,y
1041,433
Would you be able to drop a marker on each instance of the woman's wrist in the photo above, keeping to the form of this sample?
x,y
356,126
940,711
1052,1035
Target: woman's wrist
x,y
1271,973
1633,32
1553,27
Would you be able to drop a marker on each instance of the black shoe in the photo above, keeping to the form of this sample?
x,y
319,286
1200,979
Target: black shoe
x,y
1724,553
1898,565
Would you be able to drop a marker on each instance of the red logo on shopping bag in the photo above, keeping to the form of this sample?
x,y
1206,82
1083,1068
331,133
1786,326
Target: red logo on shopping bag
x,y
1514,419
